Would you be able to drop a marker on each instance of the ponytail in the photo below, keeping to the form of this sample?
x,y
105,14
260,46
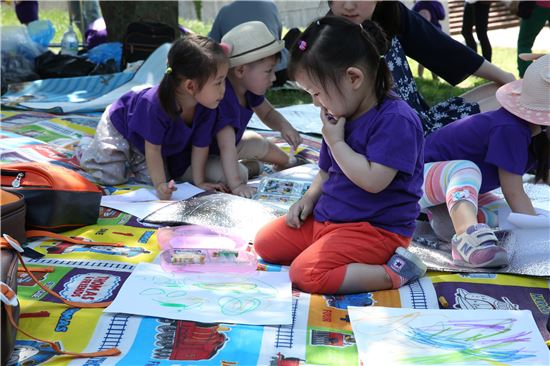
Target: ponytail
x,y
166,93
375,36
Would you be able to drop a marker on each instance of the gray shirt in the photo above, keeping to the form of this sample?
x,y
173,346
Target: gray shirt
x,y
239,12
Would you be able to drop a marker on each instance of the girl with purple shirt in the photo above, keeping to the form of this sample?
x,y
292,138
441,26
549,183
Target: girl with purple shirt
x,y
364,200
504,144
156,133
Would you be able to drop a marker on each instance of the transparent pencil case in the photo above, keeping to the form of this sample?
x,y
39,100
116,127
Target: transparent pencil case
x,y
208,260
198,237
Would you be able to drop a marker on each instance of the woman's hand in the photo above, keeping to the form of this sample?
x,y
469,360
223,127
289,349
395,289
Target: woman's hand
x,y
165,189
299,212
244,190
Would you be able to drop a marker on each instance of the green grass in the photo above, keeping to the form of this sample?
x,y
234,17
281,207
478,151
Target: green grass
x,y
433,91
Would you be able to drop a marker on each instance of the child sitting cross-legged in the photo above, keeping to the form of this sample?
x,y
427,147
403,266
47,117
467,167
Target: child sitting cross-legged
x,y
350,231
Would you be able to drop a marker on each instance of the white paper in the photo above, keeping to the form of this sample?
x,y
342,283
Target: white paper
x,y
303,117
259,298
144,201
396,336
183,192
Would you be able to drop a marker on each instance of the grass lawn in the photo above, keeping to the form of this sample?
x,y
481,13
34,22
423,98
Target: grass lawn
x,y
433,91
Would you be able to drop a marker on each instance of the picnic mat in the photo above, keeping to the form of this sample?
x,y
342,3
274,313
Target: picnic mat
x,y
86,93
320,332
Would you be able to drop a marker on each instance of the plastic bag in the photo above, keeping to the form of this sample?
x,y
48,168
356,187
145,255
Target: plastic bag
x,y
104,52
18,54
41,32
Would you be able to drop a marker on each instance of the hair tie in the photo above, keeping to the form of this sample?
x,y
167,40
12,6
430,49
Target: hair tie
x,y
318,23
168,70
226,48
302,45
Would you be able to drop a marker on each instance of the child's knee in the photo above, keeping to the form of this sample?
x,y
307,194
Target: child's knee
x,y
310,280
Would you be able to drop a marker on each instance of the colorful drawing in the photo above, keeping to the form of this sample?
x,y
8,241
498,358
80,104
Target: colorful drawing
x,y
251,298
458,337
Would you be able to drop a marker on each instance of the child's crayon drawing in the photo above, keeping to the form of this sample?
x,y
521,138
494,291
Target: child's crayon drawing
x,y
250,298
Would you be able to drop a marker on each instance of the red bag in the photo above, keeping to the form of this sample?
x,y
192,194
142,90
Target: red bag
x,y
58,199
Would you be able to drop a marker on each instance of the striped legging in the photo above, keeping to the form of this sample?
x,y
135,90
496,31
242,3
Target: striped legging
x,y
458,180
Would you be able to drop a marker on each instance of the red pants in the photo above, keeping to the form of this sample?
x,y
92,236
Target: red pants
x,y
319,252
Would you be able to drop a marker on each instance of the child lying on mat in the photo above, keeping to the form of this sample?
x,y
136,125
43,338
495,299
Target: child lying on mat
x,y
364,200
149,134
485,151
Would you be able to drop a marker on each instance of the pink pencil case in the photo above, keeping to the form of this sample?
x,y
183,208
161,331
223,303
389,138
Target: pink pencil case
x,y
196,236
208,260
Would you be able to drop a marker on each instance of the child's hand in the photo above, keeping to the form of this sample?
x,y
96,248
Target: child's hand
x,y
165,189
333,129
220,187
244,190
299,212
291,136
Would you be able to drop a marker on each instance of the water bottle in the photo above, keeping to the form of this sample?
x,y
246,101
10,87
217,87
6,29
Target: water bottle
x,y
69,42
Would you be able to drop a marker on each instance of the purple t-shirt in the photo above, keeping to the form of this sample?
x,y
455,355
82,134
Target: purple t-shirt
x,y
391,135
139,117
232,113
491,140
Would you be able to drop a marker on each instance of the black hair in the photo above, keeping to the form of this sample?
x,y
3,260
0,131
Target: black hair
x,y
331,44
386,14
540,146
190,57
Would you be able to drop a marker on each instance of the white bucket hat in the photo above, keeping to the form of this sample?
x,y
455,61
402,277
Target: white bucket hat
x,y
251,41
529,98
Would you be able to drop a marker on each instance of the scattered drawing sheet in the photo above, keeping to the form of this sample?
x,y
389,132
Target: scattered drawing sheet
x,y
259,298
304,117
396,336
143,202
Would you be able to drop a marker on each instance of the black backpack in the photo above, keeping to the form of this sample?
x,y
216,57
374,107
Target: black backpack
x,y
143,38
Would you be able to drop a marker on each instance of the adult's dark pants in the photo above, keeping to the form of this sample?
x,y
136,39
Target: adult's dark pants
x,y
477,14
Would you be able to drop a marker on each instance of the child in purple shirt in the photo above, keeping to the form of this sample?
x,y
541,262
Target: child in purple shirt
x,y
364,200
253,57
504,144
156,133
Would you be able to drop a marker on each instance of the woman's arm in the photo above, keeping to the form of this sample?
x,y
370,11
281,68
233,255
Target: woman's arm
x,y
491,72
512,188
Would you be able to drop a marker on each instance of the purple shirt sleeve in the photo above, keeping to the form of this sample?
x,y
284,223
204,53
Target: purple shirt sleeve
x,y
395,143
512,156
254,100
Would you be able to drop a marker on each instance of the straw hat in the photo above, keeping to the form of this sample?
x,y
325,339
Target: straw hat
x,y
529,98
251,41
